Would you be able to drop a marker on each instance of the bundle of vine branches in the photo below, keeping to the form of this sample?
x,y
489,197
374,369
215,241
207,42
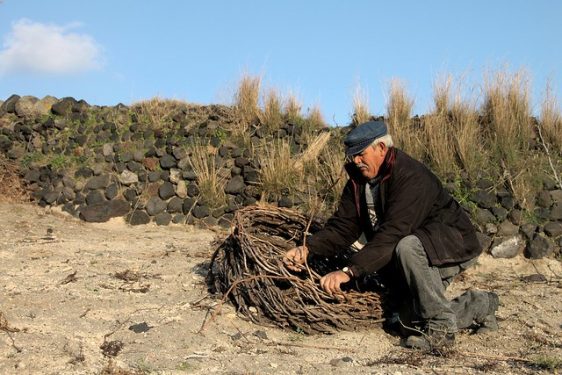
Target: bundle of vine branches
x,y
248,269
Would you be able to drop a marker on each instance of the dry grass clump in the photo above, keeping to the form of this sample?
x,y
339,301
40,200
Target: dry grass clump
x,y
467,137
313,150
326,179
440,145
507,116
507,113
315,118
551,121
292,107
399,113
360,106
439,130
279,175
210,182
157,113
272,115
247,100
12,188
314,175
452,131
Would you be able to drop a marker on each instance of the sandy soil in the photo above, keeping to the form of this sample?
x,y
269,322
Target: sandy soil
x,y
80,298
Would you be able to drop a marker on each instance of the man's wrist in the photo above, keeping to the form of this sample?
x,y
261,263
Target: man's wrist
x,y
349,272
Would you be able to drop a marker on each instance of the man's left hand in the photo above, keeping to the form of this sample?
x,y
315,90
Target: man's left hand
x,y
332,281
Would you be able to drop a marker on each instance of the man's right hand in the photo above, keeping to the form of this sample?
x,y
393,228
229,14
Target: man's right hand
x,y
295,258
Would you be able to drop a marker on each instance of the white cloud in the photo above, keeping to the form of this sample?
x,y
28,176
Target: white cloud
x,y
33,47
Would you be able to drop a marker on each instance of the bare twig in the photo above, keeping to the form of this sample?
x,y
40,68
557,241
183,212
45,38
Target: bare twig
x,y
5,327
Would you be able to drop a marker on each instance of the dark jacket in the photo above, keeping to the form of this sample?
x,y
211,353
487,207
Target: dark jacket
x,y
413,201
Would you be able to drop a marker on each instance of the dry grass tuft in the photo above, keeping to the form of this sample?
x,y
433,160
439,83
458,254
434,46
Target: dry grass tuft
x,y
440,145
313,150
360,106
442,94
292,107
12,188
279,176
211,184
452,131
399,113
247,99
272,115
157,113
551,121
467,137
507,113
329,178
315,118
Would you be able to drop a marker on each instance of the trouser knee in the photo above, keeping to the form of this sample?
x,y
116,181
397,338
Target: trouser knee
x,y
409,249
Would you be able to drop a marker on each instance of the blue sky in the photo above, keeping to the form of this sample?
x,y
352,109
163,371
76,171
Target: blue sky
x,y
108,52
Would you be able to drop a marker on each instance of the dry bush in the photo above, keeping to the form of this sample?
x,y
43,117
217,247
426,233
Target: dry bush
x,y
328,179
210,182
279,175
442,95
315,119
440,146
247,100
360,106
272,115
439,131
12,188
157,113
292,107
467,137
313,150
399,112
452,130
551,121
507,113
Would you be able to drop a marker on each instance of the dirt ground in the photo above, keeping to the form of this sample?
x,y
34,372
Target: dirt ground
x,y
81,298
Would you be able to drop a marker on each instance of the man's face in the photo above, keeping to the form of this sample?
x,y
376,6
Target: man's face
x,y
369,161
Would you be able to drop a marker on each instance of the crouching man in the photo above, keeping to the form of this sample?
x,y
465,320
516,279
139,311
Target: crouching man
x,y
413,227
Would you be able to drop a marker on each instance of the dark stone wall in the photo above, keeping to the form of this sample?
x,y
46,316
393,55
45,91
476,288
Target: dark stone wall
x,y
104,162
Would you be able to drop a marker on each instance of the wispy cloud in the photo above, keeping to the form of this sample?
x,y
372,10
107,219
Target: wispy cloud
x,y
33,47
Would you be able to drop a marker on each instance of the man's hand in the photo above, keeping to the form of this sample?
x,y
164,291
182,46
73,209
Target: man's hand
x,y
332,281
294,259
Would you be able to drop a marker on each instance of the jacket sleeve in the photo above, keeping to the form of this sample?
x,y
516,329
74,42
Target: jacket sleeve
x,y
341,230
409,201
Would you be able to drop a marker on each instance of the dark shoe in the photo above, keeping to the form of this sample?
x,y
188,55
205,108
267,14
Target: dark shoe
x,y
432,340
489,322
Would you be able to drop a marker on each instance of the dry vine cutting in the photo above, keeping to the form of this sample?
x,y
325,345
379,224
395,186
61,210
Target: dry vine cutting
x,y
247,268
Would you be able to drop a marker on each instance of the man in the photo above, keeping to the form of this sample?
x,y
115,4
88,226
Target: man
x,y
413,227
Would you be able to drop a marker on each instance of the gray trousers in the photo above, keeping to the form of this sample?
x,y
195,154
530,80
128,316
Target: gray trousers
x,y
427,286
